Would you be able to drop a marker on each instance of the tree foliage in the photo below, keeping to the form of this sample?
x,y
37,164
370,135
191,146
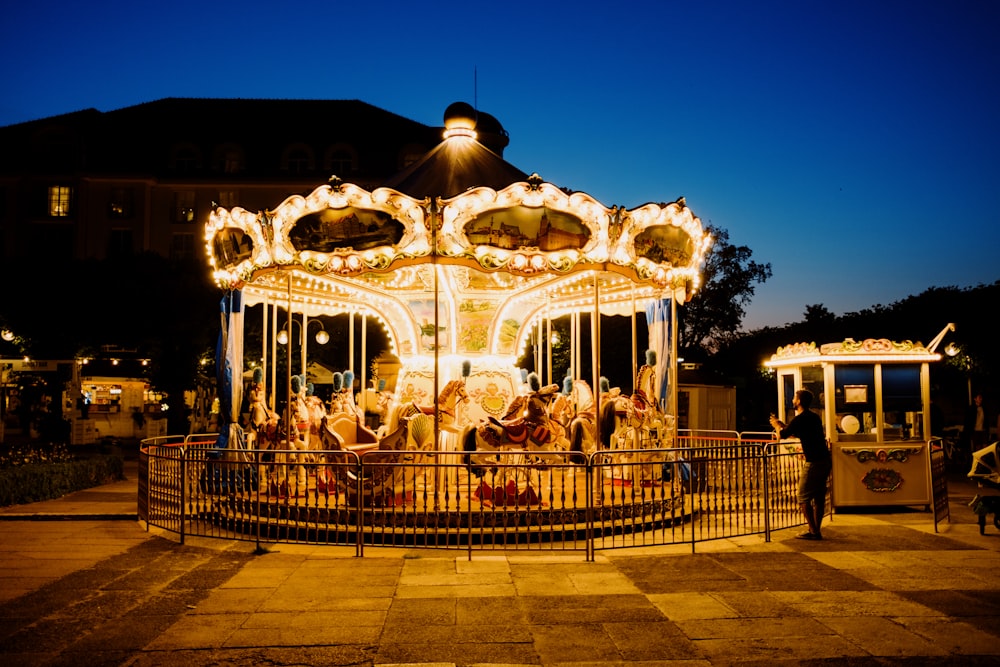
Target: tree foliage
x,y
716,314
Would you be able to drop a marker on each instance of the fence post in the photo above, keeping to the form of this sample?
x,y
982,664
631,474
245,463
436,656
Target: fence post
x,y
359,540
765,471
183,483
589,491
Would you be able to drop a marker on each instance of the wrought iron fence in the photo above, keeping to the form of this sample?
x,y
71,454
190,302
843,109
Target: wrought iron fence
x,y
714,485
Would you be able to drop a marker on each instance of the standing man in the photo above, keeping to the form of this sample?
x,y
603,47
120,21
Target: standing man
x,y
977,424
807,426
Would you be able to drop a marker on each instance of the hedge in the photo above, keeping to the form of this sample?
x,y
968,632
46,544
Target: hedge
x,y
44,481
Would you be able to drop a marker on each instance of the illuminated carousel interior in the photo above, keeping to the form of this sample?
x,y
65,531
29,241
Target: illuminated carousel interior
x,y
463,260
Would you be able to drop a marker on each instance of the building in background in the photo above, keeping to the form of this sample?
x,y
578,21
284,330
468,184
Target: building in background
x,y
95,185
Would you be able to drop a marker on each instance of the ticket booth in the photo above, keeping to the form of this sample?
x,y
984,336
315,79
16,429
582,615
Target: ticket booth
x,y
874,398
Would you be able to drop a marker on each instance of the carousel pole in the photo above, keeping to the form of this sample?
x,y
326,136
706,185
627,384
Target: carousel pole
x,y
673,364
437,352
595,338
273,384
635,338
538,348
288,364
364,362
263,337
548,344
305,338
350,346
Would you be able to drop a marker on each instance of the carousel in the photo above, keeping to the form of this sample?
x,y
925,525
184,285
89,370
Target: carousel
x,y
465,262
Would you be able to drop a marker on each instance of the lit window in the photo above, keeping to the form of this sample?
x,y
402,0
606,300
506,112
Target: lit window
x,y
60,198
120,203
184,206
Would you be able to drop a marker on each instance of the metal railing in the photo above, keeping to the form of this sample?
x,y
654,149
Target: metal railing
x,y
714,485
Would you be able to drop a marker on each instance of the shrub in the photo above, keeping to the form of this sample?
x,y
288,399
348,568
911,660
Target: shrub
x,y
29,482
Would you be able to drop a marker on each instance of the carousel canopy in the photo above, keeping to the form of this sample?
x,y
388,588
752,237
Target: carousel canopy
x,y
460,253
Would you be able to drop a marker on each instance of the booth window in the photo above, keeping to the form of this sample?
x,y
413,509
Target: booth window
x,y
902,407
854,390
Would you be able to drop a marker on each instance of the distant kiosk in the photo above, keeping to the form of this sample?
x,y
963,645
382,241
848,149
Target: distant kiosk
x,y
875,399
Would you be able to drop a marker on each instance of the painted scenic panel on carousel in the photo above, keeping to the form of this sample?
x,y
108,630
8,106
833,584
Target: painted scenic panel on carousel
x,y
665,244
474,319
527,227
333,229
423,313
231,246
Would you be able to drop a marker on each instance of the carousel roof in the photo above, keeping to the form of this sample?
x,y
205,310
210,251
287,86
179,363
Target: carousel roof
x,y
462,231
453,167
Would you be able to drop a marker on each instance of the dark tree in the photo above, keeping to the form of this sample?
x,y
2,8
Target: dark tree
x,y
716,312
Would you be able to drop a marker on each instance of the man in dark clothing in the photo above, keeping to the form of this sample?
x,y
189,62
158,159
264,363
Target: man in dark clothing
x,y
807,426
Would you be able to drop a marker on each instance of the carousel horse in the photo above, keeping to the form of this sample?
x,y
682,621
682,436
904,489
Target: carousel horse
x,y
263,421
342,399
451,397
525,428
639,424
575,408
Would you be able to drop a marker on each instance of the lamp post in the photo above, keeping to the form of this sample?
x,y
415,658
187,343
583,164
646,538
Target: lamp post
x,y
321,337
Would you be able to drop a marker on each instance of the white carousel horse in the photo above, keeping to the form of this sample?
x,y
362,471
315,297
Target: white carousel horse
x,y
639,424
576,410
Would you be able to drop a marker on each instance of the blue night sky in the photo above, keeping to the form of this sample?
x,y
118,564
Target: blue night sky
x,y
853,145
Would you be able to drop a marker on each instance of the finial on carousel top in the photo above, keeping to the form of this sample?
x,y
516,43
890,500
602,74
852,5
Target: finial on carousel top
x,y
466,368
338,381
650,357
605,385
349,380
567,385
460,120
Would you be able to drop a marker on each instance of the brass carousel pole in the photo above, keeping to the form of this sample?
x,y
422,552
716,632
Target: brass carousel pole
x,y
673,363
635,339
548,344
288,366
273,333
437,349
263,338
595,337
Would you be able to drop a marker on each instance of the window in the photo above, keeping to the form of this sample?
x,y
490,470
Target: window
x,y
228,158
340,161
56,239
227,198
60,201
184,206
185,157
120,243
297,159
182,246
120,205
